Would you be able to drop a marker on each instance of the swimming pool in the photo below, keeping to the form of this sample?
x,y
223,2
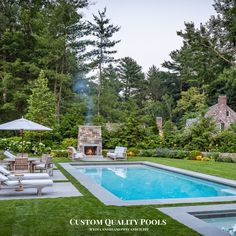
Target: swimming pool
x,y
148,183
144,182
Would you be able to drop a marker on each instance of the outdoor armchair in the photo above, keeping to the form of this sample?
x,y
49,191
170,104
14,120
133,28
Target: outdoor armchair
x,y
45,165
119,153
73,154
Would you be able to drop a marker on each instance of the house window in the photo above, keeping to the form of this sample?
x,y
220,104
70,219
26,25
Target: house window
x,y
227,113
222,126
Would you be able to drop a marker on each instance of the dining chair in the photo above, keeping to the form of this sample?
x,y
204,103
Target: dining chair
x,y
21,164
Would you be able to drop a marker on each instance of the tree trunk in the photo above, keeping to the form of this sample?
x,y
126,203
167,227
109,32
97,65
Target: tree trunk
x,y
99,78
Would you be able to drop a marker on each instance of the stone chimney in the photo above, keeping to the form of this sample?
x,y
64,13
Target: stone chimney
x,y
222,107
159,125
222,101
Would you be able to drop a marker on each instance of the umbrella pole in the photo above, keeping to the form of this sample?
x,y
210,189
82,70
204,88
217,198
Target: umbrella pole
x,y
22,142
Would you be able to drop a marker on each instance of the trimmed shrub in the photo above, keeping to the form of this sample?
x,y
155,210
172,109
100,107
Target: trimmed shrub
x,y
148,153
68,142
169,153
180,154
225,159
132,152
195,155
59,153
104,152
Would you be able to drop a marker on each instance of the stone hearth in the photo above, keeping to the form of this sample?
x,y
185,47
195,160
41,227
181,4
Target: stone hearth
x,y
90,140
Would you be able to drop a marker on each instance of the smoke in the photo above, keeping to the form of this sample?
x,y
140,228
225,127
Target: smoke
x,y
82,87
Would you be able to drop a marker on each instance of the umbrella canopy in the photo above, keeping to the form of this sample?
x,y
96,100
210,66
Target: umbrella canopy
x,y
23,124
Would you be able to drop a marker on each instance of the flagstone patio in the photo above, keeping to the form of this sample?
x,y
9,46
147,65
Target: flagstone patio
x,y
59,189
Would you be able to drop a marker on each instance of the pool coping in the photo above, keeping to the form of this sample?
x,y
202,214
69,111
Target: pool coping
x,y
110,199
185,216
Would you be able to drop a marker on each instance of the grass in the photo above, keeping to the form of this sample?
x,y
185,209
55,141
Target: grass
x,y
220,169
48,217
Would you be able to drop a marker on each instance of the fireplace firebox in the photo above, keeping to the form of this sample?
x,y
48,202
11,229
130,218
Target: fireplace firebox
x,y
91,151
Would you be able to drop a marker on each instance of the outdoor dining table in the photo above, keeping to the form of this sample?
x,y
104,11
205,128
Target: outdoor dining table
x,y
32,161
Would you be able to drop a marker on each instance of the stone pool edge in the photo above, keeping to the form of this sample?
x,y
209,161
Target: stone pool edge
x,y
185,216
110,199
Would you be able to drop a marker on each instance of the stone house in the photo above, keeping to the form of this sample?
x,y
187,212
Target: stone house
x,y
223,115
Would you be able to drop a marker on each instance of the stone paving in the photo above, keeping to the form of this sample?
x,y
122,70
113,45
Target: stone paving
x,y
59,189
58,176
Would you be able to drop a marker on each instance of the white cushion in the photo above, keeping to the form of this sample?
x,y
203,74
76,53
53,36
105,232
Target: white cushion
x,y
30,183
37,182
4,171
72,149
28,176
79,155
40,166
3,177
112,155
9,155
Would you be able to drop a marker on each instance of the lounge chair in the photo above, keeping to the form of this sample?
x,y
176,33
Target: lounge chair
x,y
119,153
9,155
20,184
27,176
73,154
45,164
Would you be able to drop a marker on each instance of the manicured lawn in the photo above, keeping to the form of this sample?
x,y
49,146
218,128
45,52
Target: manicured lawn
x,y
51,216
221,169
46,217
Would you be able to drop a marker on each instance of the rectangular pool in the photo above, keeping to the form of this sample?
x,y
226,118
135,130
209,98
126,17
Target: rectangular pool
x,y
143,183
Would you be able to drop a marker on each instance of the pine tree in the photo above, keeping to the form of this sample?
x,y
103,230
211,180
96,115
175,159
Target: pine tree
x,y
103,47
41,103
131,77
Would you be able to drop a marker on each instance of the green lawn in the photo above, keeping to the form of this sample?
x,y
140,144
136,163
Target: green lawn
x,y
221,169
42,217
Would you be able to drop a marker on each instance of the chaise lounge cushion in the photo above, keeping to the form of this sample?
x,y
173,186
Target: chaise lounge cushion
x,y
11,176
30,176
3,178
9,155
31,183
4,171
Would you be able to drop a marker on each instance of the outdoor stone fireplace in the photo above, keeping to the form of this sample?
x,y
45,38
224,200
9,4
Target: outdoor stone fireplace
x,y
90,140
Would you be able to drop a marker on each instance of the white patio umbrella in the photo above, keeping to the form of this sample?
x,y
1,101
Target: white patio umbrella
x,y
23,124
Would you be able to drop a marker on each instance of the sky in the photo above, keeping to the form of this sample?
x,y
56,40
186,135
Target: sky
x,y
148,27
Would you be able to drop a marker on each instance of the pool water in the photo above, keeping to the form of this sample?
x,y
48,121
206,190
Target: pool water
x,y
141,182
227,224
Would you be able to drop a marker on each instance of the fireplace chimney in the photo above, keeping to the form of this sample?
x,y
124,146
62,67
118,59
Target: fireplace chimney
x,y
159,125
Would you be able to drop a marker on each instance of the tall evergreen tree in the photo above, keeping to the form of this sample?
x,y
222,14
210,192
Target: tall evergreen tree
x,y
41,102
103,47
131,77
